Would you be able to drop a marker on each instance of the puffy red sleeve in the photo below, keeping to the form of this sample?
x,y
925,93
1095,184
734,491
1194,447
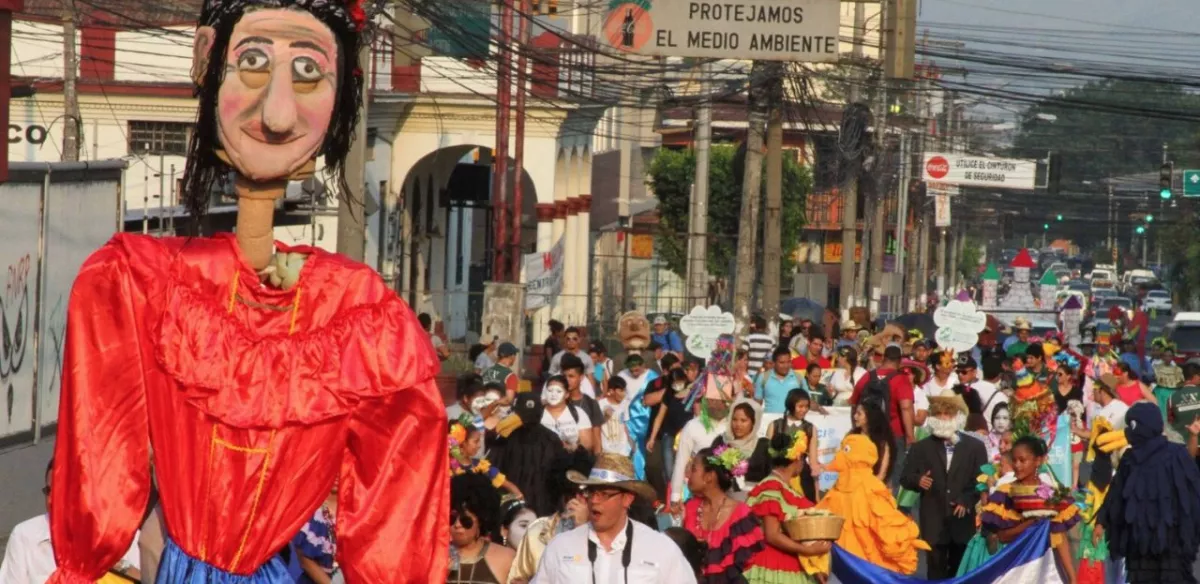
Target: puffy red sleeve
x,y
394,494
101,477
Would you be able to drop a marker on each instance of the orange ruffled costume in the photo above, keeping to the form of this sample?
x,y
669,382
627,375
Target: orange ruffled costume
x,y
875,530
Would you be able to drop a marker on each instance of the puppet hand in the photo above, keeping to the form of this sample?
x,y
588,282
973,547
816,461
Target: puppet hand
x,y
284,270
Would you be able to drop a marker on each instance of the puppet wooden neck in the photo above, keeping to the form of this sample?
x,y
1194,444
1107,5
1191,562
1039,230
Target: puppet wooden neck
x,y
256,219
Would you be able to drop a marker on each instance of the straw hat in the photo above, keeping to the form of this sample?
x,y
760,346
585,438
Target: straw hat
x,y
1109,382
850,325
951,401
1021,324
616,472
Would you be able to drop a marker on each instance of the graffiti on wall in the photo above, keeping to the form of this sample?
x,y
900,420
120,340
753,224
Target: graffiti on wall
x,y
56,327
14,327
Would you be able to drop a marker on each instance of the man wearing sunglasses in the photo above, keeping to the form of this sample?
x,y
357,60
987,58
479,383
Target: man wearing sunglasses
x,y
612,548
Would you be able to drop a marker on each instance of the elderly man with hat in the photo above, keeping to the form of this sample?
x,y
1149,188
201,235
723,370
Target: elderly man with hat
x,y
612,548
943,468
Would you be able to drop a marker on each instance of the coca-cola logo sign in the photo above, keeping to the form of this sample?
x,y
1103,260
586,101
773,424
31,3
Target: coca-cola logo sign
x,y
937,167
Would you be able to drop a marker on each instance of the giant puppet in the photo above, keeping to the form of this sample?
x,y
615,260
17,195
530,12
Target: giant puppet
x,y
254,373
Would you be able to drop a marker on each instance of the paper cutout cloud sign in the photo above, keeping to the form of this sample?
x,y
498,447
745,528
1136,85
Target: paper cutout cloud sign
x,y
703,326
959,323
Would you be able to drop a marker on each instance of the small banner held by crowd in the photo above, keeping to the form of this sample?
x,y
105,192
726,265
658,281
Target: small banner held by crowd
x,y
830,429
959,324
702,326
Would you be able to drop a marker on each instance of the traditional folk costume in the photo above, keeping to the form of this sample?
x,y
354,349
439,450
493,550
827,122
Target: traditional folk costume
x,y
773,497
733,545
254,401
875,529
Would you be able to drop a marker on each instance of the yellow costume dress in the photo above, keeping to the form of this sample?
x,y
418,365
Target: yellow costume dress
x,y
875,530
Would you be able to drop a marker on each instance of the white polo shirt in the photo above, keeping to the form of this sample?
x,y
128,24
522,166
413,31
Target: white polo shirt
x,y
29,557
655,559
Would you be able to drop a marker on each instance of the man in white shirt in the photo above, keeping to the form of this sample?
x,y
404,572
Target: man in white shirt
x,y
612,548
29,556
571,345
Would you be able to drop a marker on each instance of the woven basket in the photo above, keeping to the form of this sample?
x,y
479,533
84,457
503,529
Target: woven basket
x,y
815,527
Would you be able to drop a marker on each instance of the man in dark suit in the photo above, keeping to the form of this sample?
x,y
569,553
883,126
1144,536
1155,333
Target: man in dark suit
x,y
943,468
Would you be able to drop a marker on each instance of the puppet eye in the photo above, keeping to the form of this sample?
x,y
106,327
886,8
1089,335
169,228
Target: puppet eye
x,y
846,449
306,69
253,60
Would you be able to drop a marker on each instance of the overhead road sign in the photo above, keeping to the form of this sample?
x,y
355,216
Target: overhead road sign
x,y
979,171
1191,183
774,30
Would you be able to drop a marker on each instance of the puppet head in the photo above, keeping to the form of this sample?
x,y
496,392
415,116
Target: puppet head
x,y
634,331
856,452
278,85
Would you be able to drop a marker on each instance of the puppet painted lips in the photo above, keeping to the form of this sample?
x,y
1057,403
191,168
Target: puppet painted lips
x,y
256,132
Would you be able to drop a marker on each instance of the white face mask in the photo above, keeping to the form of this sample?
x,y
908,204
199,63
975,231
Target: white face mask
x,y
479,404
1001,422
679,386
946,429
554,395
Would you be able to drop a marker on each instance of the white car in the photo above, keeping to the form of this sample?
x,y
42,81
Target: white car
x,y
1158,300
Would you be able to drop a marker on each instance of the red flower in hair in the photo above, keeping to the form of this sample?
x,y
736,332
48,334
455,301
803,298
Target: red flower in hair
x,y
357,15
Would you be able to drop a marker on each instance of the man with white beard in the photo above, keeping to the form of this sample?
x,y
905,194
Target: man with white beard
x,y
942,468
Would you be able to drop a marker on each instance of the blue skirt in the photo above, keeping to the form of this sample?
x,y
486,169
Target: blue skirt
x,y
176,567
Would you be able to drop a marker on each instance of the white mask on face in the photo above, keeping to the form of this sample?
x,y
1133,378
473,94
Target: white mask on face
x,y
479,404
679,386
554,395
1001,422
946,429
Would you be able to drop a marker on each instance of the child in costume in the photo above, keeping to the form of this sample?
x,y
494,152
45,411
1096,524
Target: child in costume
x,y
775,501
1151,515
984,545
875,529
257,373
466,441
1014,507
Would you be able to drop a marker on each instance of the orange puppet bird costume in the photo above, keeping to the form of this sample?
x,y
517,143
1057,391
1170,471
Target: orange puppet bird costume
x,y
874,530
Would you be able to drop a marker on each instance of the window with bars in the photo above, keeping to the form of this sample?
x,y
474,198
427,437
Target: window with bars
x,y
158,137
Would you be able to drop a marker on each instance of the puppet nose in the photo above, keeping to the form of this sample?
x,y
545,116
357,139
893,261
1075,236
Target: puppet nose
x,y
279,108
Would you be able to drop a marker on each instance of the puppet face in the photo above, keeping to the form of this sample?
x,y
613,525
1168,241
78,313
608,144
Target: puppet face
x,y
277,93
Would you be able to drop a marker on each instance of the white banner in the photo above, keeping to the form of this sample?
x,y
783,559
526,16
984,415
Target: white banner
x,y
779,30
982,171
543,276
831,429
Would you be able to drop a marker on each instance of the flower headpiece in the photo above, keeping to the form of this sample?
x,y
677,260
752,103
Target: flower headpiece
x,y
730,459
793,452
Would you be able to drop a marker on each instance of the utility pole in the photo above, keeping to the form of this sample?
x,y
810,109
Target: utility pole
x,y
901,222
952,278
879,170
941,264
351,234
850,194
751,194
774,206
523,34
500,160
697,271
71,121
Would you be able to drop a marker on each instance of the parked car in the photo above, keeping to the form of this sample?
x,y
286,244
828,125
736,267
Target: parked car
x,y
1102,279
1158,300
1186,336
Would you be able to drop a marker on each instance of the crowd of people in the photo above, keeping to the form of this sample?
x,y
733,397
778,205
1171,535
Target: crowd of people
x,y
706,462
720,453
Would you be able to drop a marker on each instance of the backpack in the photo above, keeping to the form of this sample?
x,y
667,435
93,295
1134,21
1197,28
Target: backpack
x,y
879,390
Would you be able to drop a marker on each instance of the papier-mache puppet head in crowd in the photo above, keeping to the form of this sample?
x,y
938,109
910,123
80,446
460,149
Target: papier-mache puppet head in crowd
x,y
278,85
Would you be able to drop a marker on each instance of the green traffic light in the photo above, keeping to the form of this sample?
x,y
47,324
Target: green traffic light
x,y
1141,230
1060,217
1165,193
1149,218
1045,226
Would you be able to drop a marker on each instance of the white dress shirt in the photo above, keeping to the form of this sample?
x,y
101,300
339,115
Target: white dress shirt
x,y
692,439
29,557
655,559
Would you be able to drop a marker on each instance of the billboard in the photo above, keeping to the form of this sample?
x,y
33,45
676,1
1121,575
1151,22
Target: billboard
x,y
979,171
544,276
774,30
48,235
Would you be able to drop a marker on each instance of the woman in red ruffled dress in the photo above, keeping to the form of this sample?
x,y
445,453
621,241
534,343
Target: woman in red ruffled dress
x,y
727,527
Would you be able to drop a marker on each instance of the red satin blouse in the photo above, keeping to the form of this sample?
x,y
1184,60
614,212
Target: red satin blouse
x,y
252,400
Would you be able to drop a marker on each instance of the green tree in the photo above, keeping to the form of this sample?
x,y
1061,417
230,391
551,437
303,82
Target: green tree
x,y
671,175
968,260
1110,127
1181,253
